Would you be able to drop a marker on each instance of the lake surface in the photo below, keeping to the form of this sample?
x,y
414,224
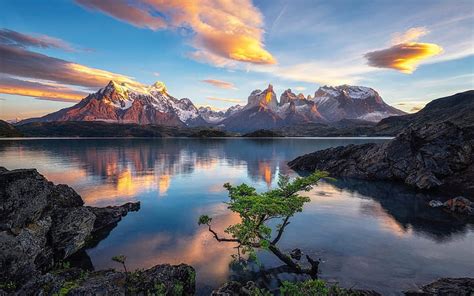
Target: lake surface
x,y
372,235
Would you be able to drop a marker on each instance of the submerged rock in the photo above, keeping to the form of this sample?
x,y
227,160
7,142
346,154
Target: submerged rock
x,y
460,205
435,203
426,157
42,223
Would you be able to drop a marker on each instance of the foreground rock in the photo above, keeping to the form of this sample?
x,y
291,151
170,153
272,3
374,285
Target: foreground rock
x,y
426,157
42,224
446,286
158,280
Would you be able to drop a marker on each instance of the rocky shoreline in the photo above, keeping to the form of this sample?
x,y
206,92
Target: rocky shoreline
x,y
429,156
42,225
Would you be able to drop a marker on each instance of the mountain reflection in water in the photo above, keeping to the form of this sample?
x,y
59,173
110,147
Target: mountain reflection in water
x,y
375,235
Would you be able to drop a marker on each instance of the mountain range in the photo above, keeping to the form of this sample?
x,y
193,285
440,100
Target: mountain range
x,y
457,109
126,103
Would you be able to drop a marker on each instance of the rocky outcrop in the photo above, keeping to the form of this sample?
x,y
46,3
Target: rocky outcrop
x,y
159,280
446,286
42,223
426,157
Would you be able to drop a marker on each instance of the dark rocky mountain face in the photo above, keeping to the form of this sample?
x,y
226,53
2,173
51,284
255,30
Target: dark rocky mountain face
x,y
458,109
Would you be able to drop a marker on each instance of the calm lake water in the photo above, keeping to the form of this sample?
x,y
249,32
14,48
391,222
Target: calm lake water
x,y
372,235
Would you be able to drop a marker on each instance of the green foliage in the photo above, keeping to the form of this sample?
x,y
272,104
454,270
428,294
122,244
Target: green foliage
x,y
314,287
204,220
119,258
7,286
67,287
178,289
257,209
159,289
260,292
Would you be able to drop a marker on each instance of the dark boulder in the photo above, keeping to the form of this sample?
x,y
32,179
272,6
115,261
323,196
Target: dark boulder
x,y
42,223
446,286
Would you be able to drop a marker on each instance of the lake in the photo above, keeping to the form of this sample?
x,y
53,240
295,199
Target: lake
x,y
369,235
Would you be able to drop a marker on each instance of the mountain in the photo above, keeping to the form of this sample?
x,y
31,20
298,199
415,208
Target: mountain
x,y
352,102
8,130
140,104
259,113
329,105
125,103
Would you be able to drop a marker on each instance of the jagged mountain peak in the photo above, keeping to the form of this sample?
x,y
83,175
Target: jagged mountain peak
x,y
352,102
265,99
350,91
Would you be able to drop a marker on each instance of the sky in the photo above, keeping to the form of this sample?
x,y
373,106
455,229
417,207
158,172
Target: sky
x,y
216,52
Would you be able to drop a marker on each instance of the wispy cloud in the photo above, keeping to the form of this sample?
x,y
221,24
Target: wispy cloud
x,y
39,90
406,54
228,100
13,38
24,63
220,83
226,29
410,35
125,11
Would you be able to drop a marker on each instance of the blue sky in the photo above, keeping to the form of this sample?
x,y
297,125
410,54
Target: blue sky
x,y
292,44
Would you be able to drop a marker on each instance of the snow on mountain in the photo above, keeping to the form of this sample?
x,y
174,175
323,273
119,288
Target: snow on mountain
x,y
213,116
352,102
152,104
210,115
123,102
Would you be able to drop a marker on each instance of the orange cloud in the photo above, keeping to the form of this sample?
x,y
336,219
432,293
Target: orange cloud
x,y
42,91
403,57
225,100
405,54
220,83
224,29
18,61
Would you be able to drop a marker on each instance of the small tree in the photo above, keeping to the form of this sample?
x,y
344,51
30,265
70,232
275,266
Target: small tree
x,y
120,259
256,210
